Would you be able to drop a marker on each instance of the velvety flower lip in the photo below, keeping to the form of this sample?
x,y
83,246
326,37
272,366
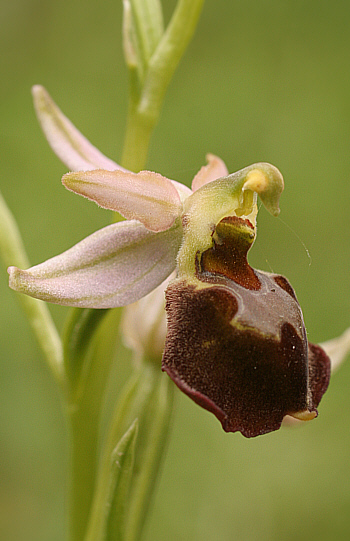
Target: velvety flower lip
x,y
248,380
236,341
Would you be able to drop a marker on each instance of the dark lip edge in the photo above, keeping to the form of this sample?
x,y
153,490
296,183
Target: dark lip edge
x,y
196,396
206,403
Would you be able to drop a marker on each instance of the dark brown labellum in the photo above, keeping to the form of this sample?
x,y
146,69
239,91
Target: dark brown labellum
x,y
236,340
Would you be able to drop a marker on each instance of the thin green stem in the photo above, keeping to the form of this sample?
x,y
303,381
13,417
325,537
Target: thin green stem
x,y
146,96
84,418
156,435
148,397
84,433
168,55
13,253
131,402
137,139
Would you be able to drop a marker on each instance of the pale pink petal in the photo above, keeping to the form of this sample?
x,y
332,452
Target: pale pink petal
x,y
183,191
72,148
215,168
115,266
144,323
145,196
338,349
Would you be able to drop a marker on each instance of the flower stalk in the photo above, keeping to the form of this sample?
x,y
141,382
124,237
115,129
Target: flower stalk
x,y
148,397
152,57
90,340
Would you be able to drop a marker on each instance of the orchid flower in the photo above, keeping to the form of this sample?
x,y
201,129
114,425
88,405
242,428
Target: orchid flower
x,y
236,340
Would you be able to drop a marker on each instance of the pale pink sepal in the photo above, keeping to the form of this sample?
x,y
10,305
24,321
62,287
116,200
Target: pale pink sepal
x,y
115,266
72,148
214,169
148,197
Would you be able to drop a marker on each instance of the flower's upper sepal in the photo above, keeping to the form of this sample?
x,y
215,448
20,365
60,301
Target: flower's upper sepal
x,y
236,340
72,148
115,266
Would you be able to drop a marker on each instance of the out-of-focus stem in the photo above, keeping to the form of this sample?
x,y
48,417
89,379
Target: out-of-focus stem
x,y
13,253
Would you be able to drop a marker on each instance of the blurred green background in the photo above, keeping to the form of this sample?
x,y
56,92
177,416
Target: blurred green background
x,y
263,80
